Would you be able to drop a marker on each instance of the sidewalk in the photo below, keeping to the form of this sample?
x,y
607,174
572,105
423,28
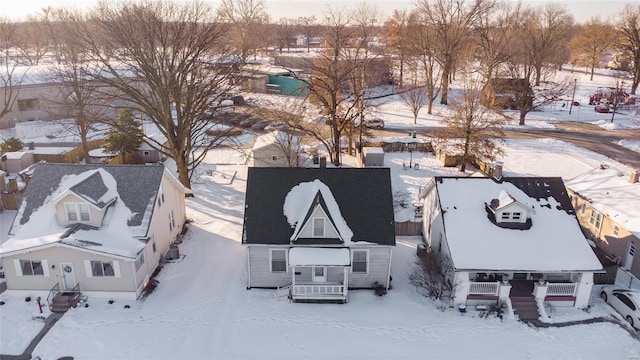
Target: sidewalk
x,y
26,355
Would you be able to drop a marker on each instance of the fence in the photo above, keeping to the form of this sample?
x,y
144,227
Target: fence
x,y
408,228
627,279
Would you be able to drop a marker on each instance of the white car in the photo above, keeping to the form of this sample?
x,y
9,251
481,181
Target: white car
x,y
624,301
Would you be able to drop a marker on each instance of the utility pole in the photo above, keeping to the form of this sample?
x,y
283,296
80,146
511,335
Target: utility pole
x,y
575,82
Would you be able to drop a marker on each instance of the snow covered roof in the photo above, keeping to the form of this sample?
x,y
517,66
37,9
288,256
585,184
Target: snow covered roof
x,y
609,191
299,204
553,243
306,256
14,155
132,189
359,200
274,137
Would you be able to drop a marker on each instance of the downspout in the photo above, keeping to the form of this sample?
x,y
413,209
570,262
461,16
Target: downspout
x,y
389,270
248,269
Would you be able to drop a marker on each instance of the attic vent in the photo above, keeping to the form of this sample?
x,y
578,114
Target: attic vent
x,y
495,203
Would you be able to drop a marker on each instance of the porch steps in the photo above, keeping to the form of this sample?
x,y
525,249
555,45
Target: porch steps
x,y
525,307
63,302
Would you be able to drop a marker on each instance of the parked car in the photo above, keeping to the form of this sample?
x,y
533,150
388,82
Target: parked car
x,y
374,124
601,109
624,301
260,125
275,126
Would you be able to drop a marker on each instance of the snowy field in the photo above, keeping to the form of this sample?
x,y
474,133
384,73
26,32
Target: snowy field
x,y
202,309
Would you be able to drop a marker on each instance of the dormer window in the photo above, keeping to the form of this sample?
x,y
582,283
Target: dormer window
x,y
506,216
508,212
77,212
318,227
515,216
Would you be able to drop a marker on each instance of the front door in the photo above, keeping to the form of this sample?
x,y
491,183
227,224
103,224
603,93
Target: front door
x,y
319,274
68,276
631,251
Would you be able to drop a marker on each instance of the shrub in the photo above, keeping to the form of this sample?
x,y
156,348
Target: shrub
x,y
11,144
433,275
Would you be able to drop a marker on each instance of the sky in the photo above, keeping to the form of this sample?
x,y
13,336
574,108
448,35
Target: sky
x,y
582,10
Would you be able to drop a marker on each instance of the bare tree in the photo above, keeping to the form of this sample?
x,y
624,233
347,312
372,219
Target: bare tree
x,y
75,99
308,27
452,22
434,276
11,78
496,34
34,40
473,131
415,98
543,33
247,19
333,69
283,33
423,53
629,39
395,37
590,44
169,68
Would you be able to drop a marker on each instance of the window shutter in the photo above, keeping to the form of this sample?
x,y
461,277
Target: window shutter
x,y
116,269
87,268
45,267
16,262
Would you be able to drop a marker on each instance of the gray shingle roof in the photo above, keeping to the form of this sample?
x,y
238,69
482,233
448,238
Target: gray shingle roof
x,y
363,195
137,186
92,189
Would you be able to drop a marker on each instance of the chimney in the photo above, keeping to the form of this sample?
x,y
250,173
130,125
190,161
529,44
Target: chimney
x,y
323,162
635,176
497,170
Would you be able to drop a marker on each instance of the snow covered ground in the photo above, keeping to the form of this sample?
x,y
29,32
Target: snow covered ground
x,y
202,309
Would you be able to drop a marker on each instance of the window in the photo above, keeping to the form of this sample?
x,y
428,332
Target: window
x,y
583,208
77,211
274,157
359,262
318,227
139,261
616,231
31,267
516,216
146,153
28,104
102,268
595,219
506,216
172,221
278,260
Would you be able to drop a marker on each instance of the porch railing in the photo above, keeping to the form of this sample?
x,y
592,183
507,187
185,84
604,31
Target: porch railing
x,y
301,290
283,291
561,289
484,288
52,294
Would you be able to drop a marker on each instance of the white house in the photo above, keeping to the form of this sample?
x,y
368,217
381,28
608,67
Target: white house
x,y
275,149
316,233
99,230
515,240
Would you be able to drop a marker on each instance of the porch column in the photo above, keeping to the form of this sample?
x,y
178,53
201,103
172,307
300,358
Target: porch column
x,y
504,291
583,290
461,288
293,276
540,290
345,281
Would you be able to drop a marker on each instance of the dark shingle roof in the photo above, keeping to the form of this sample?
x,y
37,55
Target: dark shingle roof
x,y
363,195
92,189
137,186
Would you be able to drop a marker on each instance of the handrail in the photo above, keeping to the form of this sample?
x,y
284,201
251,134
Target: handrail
x,y
76,295
52,294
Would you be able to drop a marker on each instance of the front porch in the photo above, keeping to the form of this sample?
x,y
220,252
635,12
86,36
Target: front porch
x,y
318,275
559,289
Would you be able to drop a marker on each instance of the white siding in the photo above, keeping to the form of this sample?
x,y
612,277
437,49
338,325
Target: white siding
x,y
329,230
95,214
260,268
53,256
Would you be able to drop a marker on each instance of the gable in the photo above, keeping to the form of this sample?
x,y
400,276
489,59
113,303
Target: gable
x,y
309,227
363,195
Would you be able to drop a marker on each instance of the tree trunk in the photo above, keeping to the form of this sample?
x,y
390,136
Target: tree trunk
x,y
446,72
538,74
522,115
85,147
415,118
183,171
591,78
336,145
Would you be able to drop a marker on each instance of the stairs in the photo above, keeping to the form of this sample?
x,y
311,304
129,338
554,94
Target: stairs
x,y
63,302
525,307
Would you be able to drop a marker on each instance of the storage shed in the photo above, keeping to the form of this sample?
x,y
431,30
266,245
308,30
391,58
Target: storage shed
x,y
373,156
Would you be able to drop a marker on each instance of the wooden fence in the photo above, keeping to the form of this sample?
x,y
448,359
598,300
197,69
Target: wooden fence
x,y
408,228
